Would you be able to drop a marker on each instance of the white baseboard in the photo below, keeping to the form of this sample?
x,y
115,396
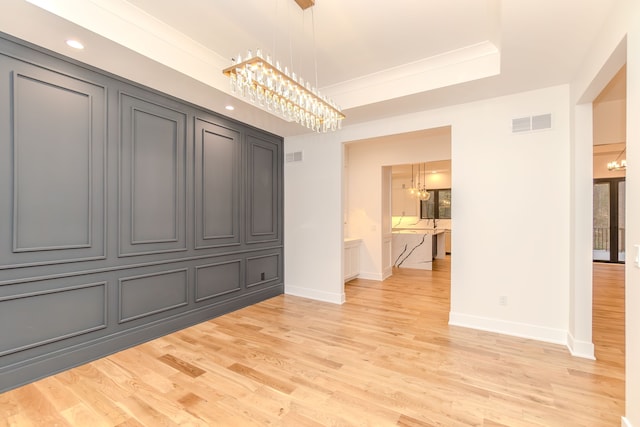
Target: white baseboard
x,y
335,298
522,330
371,276
625,422
579,348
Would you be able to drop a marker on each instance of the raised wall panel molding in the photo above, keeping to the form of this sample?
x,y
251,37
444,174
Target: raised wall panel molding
x,y
262,269
213,280
264,192
152,263
152,172
46,138
147,294
217,151
52,154
27,317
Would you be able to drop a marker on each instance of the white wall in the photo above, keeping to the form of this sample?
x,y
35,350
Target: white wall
x,y
511,216
364,170
312,218
618,42
610,120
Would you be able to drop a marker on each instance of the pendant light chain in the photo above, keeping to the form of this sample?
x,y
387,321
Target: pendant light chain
x,y
290,37
412,186
275,20
315,51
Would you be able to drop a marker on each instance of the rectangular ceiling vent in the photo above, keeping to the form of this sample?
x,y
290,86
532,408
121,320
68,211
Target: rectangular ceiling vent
x,y
531,123
296,156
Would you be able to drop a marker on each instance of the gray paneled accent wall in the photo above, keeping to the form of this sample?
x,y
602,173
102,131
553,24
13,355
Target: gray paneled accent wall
x,y
126,214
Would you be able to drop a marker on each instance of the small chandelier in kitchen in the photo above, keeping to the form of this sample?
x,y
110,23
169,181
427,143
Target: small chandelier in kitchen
x,y
420,191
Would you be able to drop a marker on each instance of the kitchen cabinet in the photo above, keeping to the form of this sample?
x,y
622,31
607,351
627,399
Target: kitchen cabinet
x,y
351,258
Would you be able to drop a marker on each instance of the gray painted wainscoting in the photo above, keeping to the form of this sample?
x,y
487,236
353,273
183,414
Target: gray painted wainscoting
x,y
125,215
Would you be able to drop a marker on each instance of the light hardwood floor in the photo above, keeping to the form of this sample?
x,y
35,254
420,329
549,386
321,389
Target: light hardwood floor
x,y
386,357
608,313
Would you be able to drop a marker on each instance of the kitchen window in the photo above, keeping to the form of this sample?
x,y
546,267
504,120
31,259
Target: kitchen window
x,y
438,206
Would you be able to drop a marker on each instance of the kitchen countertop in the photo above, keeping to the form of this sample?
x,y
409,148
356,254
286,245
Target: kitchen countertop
x,y
418,231
351,239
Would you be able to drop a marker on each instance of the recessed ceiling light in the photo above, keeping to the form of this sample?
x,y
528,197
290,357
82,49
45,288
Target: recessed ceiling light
x,y
230,107
75,44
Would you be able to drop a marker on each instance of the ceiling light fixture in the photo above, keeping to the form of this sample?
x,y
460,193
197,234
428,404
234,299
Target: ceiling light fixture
x,y
618,166
420,191
230,107
74,44
423,193
281,92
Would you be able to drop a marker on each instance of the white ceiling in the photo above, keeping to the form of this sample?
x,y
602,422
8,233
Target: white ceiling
x,y
375,58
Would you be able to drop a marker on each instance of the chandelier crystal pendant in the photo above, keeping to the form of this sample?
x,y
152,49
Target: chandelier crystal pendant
x,y
258,80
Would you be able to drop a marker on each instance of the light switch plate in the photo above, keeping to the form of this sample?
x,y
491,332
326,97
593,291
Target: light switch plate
x,y
636,256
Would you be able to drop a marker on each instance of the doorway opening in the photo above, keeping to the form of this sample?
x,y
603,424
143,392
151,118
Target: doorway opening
x,y
367,194
421,214
609,170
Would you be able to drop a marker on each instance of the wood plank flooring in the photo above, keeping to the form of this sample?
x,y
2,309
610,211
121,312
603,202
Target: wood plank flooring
x,y
386,357
608,312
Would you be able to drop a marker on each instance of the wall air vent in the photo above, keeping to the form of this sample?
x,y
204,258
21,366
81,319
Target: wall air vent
x,y
531,123
296,156
540,122
523,124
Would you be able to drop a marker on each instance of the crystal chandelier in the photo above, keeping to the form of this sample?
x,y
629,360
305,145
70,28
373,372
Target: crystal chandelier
x,y
258,80
282,92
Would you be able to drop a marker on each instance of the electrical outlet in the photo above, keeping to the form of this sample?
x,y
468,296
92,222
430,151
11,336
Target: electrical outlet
x,y
502,300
